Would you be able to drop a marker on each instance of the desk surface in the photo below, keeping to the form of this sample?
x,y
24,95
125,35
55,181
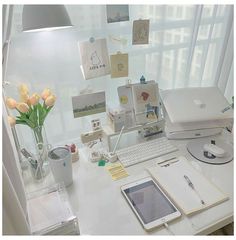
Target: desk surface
x,y
102,210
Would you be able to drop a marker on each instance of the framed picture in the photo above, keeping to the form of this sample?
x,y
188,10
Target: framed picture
x,y
119,65
117,13
140,32
88,104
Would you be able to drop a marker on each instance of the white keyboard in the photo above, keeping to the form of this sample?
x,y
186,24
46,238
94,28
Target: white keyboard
x,y
145,151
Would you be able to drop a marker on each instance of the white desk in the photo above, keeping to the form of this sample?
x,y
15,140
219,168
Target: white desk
x,y
102,210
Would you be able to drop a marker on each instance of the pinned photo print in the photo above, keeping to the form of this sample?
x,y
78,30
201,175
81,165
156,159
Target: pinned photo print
x,y
88,104
117,13
95,59
140,32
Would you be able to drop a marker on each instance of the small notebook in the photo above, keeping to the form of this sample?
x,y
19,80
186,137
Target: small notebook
x,y
171,179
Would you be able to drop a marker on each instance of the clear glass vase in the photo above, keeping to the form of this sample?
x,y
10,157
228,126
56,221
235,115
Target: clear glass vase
x,y
39,166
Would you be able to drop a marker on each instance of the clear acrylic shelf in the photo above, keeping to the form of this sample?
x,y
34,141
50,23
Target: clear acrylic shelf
x,y
109,133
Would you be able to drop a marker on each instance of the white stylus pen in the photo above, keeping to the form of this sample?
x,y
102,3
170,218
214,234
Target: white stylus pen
x,y
118,140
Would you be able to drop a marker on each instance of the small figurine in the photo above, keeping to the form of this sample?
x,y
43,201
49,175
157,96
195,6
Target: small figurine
x,y
74,152
142,80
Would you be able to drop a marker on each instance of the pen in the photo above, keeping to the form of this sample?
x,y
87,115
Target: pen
x,y
167,160
192,186
168,164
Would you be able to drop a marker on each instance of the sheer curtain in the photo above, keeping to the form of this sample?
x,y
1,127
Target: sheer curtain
x,y
14,209
189,46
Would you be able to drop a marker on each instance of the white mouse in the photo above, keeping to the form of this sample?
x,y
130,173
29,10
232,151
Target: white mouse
x,y
215,150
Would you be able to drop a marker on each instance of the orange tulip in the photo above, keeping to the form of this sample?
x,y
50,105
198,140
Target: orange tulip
x,y
24,98
11,103
34,99
24,93
46,93
50,101
23,89
22,107
12,121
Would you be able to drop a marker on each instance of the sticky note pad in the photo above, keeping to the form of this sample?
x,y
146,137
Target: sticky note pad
x,y
117,171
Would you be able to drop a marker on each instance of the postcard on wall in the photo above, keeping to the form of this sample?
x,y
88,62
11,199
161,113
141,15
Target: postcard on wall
x,y
88,104
140,32
117,13
119,65
95,59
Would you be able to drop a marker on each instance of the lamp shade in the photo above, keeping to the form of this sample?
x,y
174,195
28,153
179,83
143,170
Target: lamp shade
x,y
41,17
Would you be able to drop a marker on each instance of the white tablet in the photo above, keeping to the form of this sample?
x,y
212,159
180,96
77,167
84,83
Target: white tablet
x,y
152,207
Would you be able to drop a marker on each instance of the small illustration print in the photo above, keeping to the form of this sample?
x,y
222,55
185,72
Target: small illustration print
x,y
94,58
140,32
119,65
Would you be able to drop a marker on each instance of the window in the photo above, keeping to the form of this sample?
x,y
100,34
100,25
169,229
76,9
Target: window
x,y
172,57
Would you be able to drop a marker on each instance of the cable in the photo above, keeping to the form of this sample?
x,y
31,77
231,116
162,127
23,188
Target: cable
x,y
168,228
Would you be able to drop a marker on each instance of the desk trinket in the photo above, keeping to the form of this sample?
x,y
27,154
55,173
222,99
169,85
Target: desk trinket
x,y
74,152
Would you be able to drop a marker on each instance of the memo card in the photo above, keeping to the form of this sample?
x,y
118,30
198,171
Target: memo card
x,y
145,93
119,65
95,59
125,97
117,13
117,171
140,32
88,104
145,98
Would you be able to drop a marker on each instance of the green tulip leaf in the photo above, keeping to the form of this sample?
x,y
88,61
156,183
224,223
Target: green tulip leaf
x,y
42,114
29,122
33,117
21,122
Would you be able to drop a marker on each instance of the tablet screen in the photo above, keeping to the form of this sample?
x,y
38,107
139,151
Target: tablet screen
x,y
149,201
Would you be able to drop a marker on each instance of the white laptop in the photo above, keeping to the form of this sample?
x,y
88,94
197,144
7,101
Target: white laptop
x,y
191,109
191,104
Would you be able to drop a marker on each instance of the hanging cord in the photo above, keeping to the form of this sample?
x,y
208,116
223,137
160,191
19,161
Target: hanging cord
x,y
168,228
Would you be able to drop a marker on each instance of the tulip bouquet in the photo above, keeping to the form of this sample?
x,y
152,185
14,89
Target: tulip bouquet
x,y
32,112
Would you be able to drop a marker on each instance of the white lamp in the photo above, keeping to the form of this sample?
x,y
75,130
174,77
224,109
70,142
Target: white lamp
x,y
45,17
